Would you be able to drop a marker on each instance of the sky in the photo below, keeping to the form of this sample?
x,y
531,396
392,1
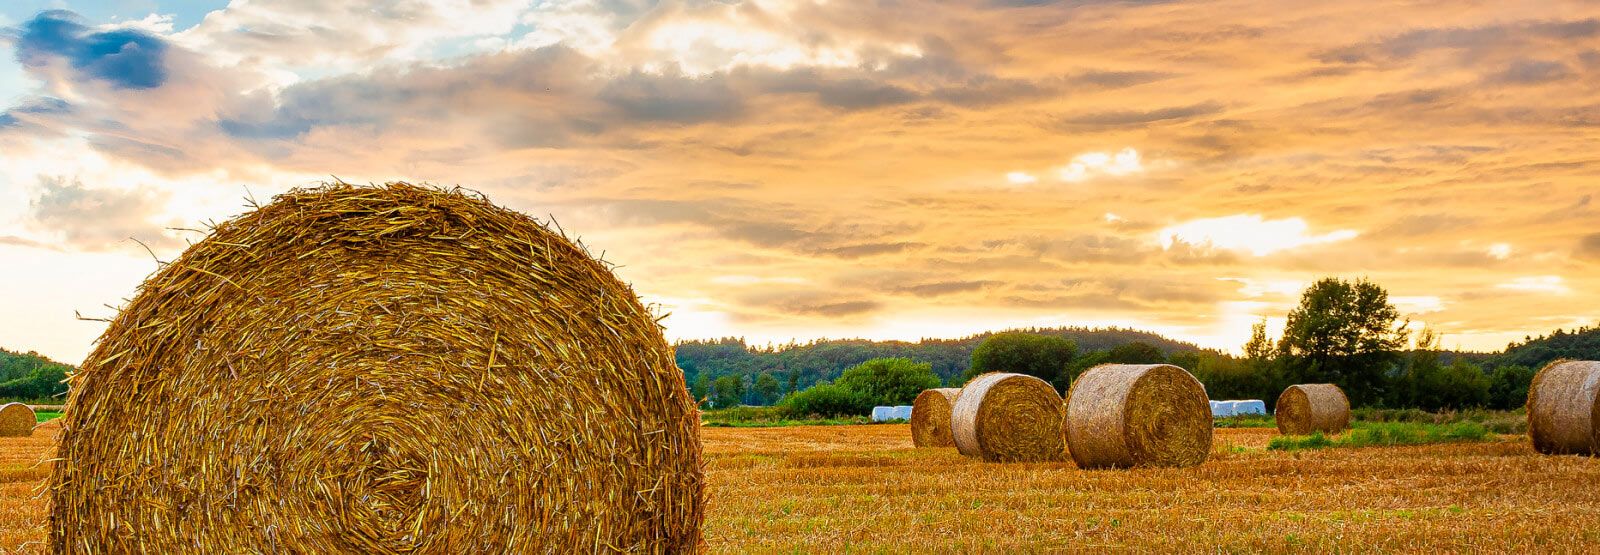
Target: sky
x,y
788,170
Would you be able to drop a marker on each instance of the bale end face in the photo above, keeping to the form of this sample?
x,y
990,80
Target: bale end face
x,y
16,420
930,418
1003,417
1126,415
1564,408
1306,408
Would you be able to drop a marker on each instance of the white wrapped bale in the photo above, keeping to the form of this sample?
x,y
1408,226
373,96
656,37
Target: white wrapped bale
x,y
1251,406
1221,409
880,414
902,412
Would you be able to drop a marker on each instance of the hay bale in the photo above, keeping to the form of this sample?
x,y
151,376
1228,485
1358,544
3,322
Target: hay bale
x,y
1125,415
380,370
902,412
1306,408
1253,406
881,414
1564,408
1006,417
930,417
16,420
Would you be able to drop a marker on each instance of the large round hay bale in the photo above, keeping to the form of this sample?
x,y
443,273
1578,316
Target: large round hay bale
x,y
930,417
1563,408
380,370
1005,417
1316,407
1125,415
16,420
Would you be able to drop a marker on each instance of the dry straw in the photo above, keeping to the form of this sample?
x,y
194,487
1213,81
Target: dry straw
x,y
1317,407
1125,415
1563,412
379,370
1008,418
16,420
930,418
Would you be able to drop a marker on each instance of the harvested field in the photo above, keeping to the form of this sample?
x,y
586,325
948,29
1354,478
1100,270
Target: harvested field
x,y
828,488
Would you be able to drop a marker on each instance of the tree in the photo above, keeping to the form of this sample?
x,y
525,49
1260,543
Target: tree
x,y
701,387
1137,352
767,389
1041,356
1344,333
1508,386
794,381
728,391
889,381
1259,348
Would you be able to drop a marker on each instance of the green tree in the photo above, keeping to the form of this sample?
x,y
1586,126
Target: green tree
x,y
794,381
1041,356
767,388
1343,332
1080,365
728,391
1508,386
889,381
1137,352
702,386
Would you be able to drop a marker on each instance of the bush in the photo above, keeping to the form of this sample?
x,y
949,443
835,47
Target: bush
x,y
828,400
1508,386
888,381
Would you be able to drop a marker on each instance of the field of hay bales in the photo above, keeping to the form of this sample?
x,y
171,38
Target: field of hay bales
x,y
832,488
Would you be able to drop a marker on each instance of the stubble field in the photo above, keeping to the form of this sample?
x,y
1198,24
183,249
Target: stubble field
x,y
865,489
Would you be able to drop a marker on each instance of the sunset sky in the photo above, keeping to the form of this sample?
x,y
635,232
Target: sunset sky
x,y
793,169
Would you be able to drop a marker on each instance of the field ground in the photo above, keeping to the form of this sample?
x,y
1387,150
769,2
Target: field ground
x,y
865,489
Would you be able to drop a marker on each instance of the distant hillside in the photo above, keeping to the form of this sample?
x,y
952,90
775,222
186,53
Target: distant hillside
x,y
30,376
826,359
1535,352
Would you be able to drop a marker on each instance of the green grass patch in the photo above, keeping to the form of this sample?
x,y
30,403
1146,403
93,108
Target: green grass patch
x,y
46,416
772,417
1247,421
1385,434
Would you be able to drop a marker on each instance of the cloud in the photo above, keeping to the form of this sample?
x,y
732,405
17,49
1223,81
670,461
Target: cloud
x,y
1119,118
99,219
1249,232
1537,284
126,58
1529,72
1086,166
1589,247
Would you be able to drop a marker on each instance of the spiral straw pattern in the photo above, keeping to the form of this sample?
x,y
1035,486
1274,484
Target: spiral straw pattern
x,y
930,418
1307,408
379,370
1127,415
1564,408
16,420
1003,417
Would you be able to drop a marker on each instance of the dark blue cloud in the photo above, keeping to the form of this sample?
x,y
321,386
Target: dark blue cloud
x,y
127,58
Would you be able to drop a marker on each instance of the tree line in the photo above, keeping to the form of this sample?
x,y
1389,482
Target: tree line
x,y
1342,332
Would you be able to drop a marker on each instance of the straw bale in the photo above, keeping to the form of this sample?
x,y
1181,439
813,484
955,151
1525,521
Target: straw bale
x,y
16,420
379,369
1307,408
1006,417
930,417
1563,408
1126,415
